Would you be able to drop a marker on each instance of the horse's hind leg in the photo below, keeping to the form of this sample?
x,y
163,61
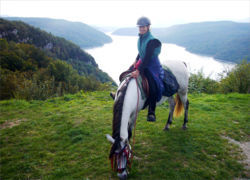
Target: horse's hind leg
x,y
171,112
185,102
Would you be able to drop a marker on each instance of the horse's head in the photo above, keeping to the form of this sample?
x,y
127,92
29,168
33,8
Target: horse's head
x,y
120,156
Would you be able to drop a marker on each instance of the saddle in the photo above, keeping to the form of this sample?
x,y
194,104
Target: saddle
x,y
144,82
170,83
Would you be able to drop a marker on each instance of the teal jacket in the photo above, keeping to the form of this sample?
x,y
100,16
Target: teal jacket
x,y
142,45
149,49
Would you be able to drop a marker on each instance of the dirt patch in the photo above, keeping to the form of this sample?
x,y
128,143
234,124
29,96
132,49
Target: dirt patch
x,y
246,150
10,124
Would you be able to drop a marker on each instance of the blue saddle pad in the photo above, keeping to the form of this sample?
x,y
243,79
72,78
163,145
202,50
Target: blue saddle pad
x,y
170,83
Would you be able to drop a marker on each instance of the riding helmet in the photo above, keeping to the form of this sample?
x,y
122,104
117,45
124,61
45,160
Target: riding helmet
x,y
143,21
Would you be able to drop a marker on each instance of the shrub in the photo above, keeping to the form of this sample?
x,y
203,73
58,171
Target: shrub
x,y
237,80
198,83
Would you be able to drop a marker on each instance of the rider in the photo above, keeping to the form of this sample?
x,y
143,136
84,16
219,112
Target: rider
x,y
148,64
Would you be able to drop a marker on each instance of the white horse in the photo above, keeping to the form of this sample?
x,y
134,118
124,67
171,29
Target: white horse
x,y
128,102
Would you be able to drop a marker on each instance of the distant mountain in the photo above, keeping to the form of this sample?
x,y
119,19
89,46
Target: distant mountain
x,y
54,47
105,29
81,34
223,40
246,20
126,32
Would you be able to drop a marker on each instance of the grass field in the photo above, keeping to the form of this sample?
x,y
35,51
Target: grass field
x,y
64,138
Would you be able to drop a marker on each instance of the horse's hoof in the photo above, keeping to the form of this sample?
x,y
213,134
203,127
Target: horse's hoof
x,y
166,129
184,127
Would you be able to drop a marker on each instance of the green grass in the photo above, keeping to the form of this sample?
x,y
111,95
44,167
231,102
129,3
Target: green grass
x,y
64,138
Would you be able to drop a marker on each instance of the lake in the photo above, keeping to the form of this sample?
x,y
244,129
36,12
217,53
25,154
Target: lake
x,y
116,57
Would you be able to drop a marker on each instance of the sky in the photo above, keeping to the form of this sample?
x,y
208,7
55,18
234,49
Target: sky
x,y
118,13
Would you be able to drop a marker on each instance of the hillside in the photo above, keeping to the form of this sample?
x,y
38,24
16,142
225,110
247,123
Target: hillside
x,y
225,40
79,33
26,72
64,138
54,47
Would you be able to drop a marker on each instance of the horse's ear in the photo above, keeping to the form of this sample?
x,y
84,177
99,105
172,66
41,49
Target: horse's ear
x,y
110,139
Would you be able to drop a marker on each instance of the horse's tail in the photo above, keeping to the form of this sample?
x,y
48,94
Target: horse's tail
x,y
178,110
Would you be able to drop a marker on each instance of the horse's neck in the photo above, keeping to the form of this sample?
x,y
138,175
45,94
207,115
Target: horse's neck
x,y
130,107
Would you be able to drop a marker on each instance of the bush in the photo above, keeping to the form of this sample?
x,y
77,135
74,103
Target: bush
x,y
8,83
237,80
198,83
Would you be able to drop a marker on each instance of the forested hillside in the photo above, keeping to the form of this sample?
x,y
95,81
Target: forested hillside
x,y
37,65
26,72
54,47
222,40
225,40
79,33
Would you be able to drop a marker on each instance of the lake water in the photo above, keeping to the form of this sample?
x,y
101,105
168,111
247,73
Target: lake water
x,y
116,57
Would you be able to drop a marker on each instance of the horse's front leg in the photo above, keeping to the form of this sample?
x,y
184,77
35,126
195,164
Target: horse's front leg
x,y
131,124
171,112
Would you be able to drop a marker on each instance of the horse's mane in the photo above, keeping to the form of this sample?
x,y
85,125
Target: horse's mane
x,y
117,110
117,117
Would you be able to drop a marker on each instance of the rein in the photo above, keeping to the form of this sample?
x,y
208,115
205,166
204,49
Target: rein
x,y
136,113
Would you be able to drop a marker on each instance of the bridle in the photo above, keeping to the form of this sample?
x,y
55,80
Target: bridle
x,y
121,159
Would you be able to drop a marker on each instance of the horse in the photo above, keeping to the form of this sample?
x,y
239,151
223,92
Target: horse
x,y
128,102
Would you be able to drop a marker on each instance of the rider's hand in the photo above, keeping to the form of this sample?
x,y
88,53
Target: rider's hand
x,y
135,73
134,63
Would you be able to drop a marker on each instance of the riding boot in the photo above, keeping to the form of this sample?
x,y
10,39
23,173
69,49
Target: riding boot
x,y
151,111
